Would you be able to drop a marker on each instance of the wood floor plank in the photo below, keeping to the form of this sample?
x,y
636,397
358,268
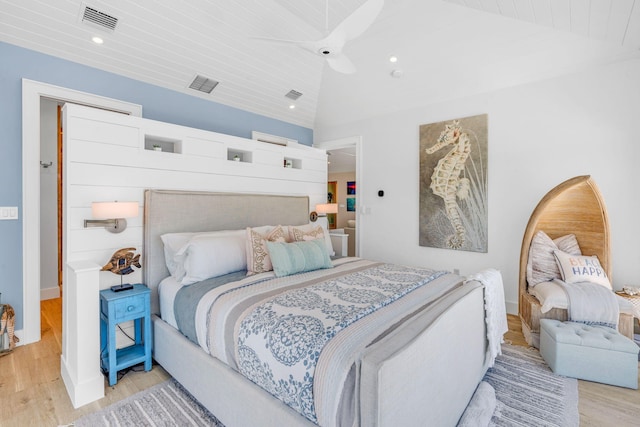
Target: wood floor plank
x,y
33,393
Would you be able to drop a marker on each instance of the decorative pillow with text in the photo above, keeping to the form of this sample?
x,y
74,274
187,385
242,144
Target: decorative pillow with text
x,y
576,268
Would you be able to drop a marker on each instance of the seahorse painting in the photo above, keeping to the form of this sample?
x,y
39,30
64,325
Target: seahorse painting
x,y
446,181
453,193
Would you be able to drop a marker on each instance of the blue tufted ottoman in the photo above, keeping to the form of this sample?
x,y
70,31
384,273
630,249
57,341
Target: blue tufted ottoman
x,y
593,353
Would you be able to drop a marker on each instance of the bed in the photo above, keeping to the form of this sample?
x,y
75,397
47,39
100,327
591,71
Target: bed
x,y
425,370
574,207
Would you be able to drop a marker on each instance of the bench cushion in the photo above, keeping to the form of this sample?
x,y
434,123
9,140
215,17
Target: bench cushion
x,y
593,353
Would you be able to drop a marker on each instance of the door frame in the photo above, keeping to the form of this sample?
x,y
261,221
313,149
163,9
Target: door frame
x,y
348,142
32,91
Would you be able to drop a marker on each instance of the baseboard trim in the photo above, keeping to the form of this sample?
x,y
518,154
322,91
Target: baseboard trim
x,y
512,307
84,392
49,293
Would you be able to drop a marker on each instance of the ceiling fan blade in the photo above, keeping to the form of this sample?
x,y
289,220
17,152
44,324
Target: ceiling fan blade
x,y
341,64
280,41
311,46
356,23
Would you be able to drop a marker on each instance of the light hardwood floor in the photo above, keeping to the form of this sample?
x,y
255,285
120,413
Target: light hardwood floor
x,y
31,388
33,394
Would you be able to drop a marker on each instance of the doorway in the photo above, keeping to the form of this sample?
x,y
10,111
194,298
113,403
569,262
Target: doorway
x,y
33,93
50,199
343,169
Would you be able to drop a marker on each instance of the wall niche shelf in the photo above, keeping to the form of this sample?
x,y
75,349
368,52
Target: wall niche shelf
x,y
291,163
158,143
239,156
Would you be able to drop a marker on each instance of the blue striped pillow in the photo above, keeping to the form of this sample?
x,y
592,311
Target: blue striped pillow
x,y
298,257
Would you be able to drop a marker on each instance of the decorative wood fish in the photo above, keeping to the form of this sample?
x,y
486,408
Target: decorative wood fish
x,y
8,324
123,261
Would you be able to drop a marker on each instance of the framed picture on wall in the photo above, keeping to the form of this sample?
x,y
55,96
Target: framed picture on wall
x,y
453,184
351,187
351,204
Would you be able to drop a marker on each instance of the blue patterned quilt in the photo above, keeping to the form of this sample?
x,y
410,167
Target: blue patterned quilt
x,y
300,336
281,339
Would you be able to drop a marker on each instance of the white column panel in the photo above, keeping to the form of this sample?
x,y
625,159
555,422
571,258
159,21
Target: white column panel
x,y
80,359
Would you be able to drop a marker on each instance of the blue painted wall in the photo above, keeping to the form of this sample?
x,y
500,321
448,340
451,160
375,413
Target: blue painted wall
x,y
157,104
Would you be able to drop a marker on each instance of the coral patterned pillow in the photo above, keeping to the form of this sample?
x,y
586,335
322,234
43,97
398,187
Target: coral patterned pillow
x,y
258,260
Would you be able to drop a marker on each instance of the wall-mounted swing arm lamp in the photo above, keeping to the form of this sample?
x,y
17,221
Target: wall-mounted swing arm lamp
x,y
322,210
111,215
327,208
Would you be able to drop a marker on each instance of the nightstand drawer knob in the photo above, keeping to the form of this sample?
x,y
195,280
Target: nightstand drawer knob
x,y
131,308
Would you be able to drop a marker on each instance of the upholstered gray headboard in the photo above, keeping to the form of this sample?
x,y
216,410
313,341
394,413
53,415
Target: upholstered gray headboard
x,y
170,211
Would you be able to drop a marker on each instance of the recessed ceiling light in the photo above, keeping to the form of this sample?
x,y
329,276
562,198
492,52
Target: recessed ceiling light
x,y
97,40
393,58
292,106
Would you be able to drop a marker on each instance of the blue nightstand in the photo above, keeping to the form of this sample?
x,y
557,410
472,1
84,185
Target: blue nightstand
x,y
118,307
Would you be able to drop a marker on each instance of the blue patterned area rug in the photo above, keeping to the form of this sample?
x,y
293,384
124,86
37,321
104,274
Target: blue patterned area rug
x,y
528,394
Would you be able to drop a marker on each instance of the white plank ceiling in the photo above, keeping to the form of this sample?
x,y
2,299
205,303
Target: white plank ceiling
x,y
168,42
615,21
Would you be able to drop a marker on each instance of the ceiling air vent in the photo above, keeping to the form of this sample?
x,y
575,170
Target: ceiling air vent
x,y
99,19
203,84
293,94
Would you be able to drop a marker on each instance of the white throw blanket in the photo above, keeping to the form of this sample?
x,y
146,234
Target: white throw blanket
x,y
591,304
481,408
495,310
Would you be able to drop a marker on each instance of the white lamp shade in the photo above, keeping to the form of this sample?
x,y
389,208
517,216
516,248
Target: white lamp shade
x,y
113,210
327,208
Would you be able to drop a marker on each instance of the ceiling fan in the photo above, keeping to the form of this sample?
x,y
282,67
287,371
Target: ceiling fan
x,y
331,46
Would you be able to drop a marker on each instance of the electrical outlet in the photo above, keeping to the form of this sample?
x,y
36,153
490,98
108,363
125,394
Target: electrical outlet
x,y
8,212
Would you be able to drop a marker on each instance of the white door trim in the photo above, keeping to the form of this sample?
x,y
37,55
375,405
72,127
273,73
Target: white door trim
x,y
32,91
348,142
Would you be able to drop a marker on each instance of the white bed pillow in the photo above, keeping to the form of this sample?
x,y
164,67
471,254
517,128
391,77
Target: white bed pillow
x,y
175,246
173,242
309,231
550,294
578,268
212,255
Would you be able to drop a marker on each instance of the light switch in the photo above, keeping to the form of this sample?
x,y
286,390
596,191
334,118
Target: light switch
x,y
8,212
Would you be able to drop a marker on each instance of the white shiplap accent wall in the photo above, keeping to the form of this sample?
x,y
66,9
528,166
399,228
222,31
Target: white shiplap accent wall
x,y
106,159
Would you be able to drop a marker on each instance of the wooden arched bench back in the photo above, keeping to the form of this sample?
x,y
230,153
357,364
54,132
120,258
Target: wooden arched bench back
x,y
573,207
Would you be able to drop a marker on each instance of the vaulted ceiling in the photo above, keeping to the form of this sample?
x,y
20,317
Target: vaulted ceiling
x,y
445,49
